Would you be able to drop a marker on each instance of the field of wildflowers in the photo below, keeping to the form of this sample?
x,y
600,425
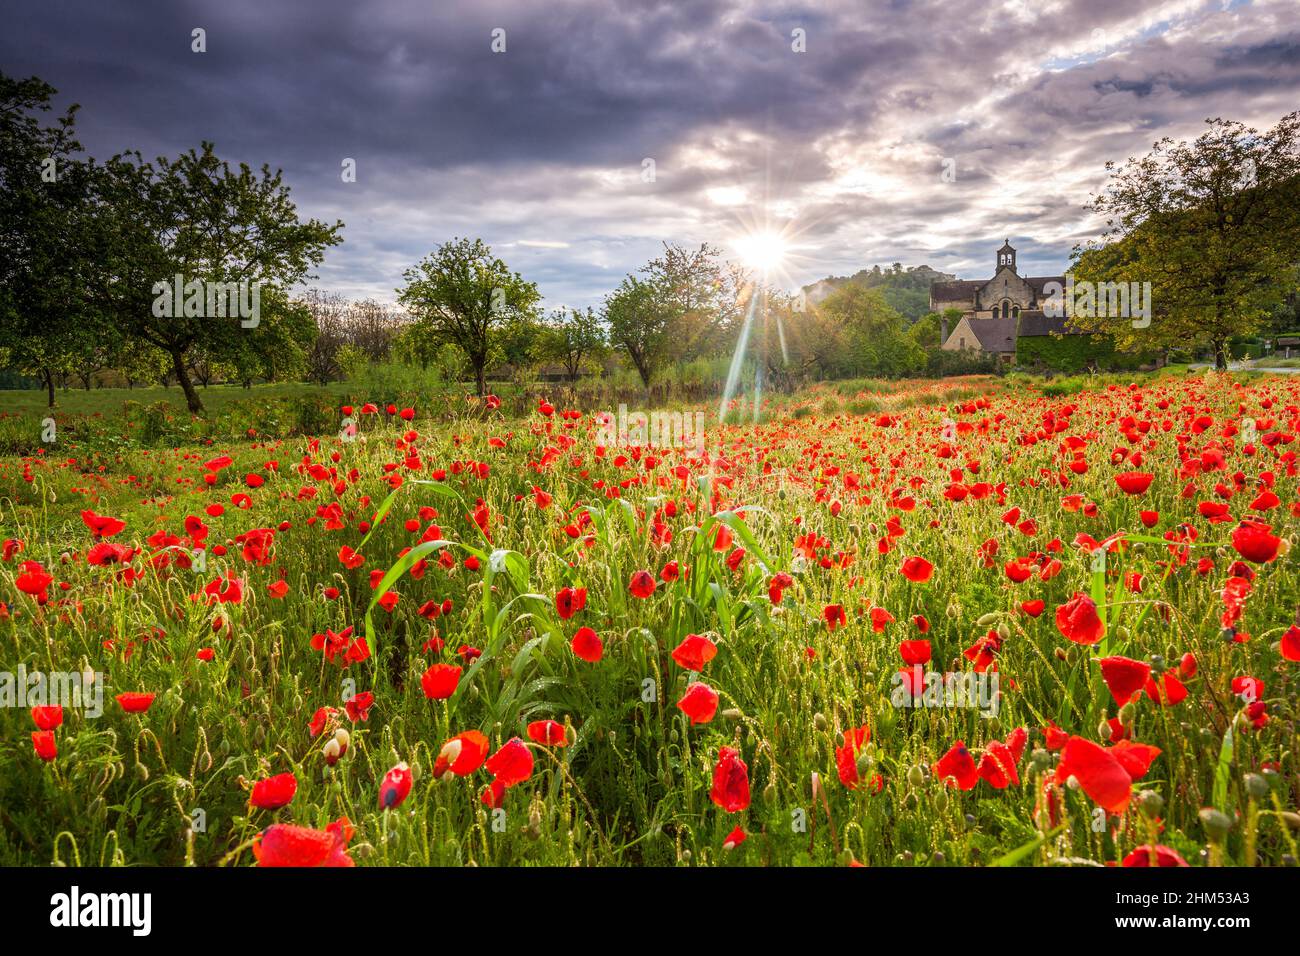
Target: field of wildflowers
x,y
481,638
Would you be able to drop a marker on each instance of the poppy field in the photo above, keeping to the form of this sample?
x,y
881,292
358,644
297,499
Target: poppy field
x,y
483,638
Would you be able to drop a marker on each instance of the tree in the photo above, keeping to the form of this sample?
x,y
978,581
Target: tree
x,y
690,303
1213,225
875,334
462,294
573,339
215,227
48,325
639,322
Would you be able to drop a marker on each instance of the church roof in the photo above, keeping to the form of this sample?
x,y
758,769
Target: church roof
x,y
994,335
956,290
1034,322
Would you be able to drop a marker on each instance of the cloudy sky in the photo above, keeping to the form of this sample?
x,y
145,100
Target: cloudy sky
x,y
541,149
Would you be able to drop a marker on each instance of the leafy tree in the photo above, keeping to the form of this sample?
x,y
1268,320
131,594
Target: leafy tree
x,y
573,339
689,303
48,324
462,294
198,218
875,334
1213,225
640,322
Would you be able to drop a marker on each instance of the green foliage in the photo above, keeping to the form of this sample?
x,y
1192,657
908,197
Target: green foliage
x,y
462,294
1076,353
1213,225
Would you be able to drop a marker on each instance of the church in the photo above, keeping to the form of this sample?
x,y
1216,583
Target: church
x,y
997,312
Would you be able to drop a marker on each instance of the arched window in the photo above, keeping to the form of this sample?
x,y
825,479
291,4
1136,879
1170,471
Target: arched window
x,y
1006,309
1015,311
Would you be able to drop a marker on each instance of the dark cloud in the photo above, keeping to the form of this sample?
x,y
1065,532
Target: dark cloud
x,y
540,149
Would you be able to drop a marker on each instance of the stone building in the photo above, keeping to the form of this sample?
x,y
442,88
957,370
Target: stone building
x,y
998,311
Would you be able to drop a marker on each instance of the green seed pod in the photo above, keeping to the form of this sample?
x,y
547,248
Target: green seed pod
x,y
941,801
1004,631
1127,712
1150,803
865,763
1216,824
987,620
819,721
1256,786
916,776
1103,730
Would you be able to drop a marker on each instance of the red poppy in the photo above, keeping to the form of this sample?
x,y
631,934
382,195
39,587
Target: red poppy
x,y
694,652
1077,619
916,569
285,844
102,526
734,839
1133,482
569,601
730,781
1253,541
1098,771
272,793
395,787
1033,608
134,702
1164,856
512,764
44,744
1291,644
1168,692
47,718
587,645
846,756
642,584
548,733
1124,677
834,616
915,652
461,755
440,681
958,766
699,703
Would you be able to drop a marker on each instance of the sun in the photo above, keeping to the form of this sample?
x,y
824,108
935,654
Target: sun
x,y
761,251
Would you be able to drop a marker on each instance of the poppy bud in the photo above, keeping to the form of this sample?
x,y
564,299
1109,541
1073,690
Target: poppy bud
x,y
819,721
987,620
331,751
769,793
1216,824
1103,730
916,776
1040,761
1004,631
1256,786
865,763
1157,664
941,801
732,713
1126,712
1150,803
343,738
1060,653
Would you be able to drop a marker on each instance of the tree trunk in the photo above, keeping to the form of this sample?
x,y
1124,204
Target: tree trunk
x,y
1221,354
183,379
49,385
479,375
